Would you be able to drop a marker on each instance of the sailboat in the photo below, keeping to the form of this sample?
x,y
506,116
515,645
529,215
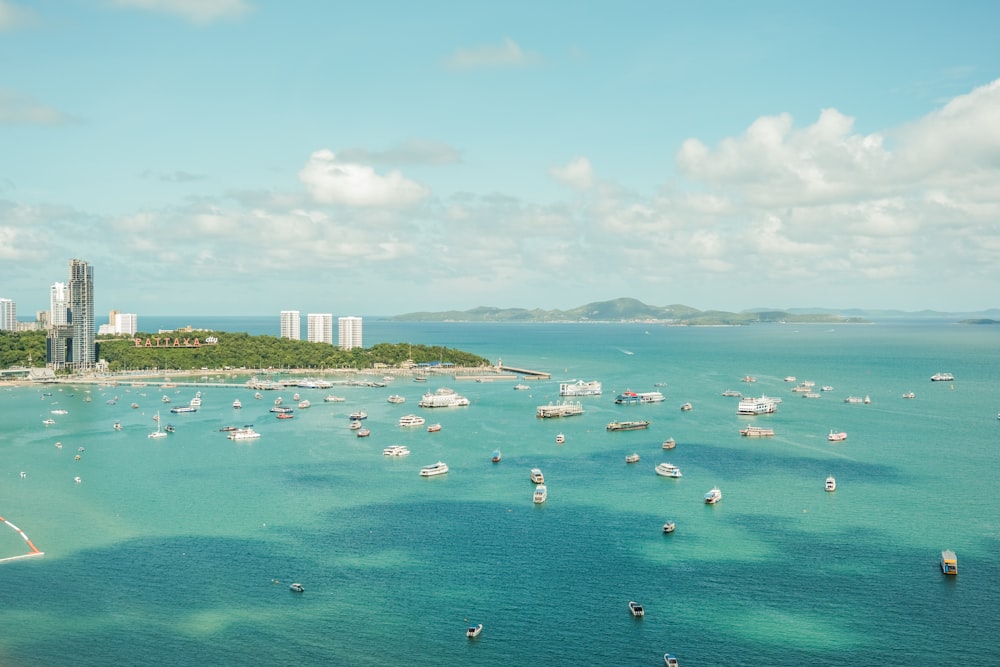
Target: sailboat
x,y
159,432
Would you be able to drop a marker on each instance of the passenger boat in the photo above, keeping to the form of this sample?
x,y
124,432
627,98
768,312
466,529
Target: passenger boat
x,y
245,433
281,410
297,588
831,484
636,609
334,399
630,397
667,470
396,450
713,496
396,398
732,393
540,495
669,660
411,420
669,527
580,388
536,476
304,404
949,562
836,436
474,631
183,408
443,398
854,399
438,468
749,378
237,404
521,387
560,439
496,456
358,416
561,409
355,425
669,443
627,426
756,406
685,407
295,396
756,432
632,458
942,377
434,428
363,432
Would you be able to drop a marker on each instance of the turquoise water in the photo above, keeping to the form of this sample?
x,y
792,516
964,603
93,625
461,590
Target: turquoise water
x,y
179,551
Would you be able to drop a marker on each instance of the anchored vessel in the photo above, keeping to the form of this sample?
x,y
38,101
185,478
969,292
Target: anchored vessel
x,y
580,388
627,426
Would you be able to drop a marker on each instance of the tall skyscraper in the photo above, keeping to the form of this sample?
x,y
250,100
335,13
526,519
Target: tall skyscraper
x,y
349,332
8,315
319,328
291,324
58,306
81,312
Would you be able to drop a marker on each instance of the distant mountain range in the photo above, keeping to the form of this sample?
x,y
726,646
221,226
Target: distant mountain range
x,y
633,310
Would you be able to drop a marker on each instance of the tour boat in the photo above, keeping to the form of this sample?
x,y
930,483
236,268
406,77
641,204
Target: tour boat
x,y
411,420
396,450
627,426
438,468
536,476
713,496
632,458
667,470
237,404
836,436
540,494
831,484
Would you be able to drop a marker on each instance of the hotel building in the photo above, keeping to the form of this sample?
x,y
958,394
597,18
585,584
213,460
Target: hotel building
x,y
349,332
291,324
58,305
72,343
319,328
8,315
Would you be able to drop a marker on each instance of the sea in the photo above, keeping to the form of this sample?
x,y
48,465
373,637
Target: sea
x,y
180,550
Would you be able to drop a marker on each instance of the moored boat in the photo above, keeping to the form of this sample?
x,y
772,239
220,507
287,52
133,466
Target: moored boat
x,y
245,433
713,496
358,416
237,404
396,450
831,484
942,377
411,420
750,405
836,436
667,470
632,458
334,399
636,609
438,468
296,588
561,409
669,443
627,425
496,456
536,476
685,407
396,398
540,494
669,660
580,388
364,432
560,439
474,631
434,428
669,527
949,562
756,432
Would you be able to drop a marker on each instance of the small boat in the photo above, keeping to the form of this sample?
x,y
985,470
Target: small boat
x,y
474,631
831,484
434,428
496,456
118,426
165,399
49,421
868,399
169,428
396,398
135,405
420,378
279,400
749,378
836,436
826,387
228,428
521,387
669,660
790,378
560,439
295,396
713,496
358,416
258,395
685,407
438,468
669,443
942,377
396,450
285,415
536,476
949,562
540,494
909,394
668,470
296,588
636,609
364,432
632,458
733,393
334,399
669,527
237,404
355,425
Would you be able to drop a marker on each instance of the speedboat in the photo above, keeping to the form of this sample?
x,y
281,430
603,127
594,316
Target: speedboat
x,y
438,468
632,458
669,527
831,484
296,588
355,425
685,407
667,470
540,494
669,660
411,420
909,394
713,496
536,476
836,436
474,631
496,456
636,609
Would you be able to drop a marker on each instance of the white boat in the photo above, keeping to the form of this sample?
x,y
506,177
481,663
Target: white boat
x,y
669,660
580,388
732,393
196,401
434,428
183,409
245,433
474,631
355,425
118,425
831,484
237,404
358,416
496,456
669,527
942,377
304,404
826,387
334,399
667,470
854,399
561,409
909,394
438,468
363,432
685,407
669,443
297,588
836,436
521,387
756,432
636,609
443,398
165,399
396,398
632,458
560,439
811,394
49,421
258,395
713,496
540,494
411,420
750,405
396,450
536,476
630,397
949,562
159,432
789,378
295,396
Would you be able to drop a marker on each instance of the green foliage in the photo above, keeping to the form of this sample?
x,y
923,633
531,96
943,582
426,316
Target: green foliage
x,y
22,348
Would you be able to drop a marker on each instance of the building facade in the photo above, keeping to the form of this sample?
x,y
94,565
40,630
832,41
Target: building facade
x,y
58,305
291,323
349,332
319,328
8,315
81,312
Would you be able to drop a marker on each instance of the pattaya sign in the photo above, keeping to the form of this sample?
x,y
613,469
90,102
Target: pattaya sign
x,y
156,341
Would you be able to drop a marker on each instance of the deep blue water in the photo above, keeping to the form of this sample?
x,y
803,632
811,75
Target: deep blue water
x,y
178,551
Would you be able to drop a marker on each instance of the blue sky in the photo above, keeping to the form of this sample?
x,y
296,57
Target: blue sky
x,y
251,156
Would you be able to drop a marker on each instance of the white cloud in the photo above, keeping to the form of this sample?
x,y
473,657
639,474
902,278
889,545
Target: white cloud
x,y
195,11
578,173
17,109
333,182
507,54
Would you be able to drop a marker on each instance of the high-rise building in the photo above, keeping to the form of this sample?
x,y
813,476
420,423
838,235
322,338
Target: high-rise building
x,y
319,328
291,323
58,306
126,324
73,343
8,315
349,332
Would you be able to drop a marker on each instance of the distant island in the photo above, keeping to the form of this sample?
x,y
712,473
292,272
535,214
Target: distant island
x,y
629,310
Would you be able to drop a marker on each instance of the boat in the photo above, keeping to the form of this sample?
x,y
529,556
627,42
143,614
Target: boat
x,y
279,400
411,420
364,432
750,405
396,398
49,421
334,399
667,470
496,456
443,398
228,428
355,425
285,415
669,443
669,527
831,484
949,562
181,409
826,387
521,387
868,399
540,494
358,416
789,378
169,428
669,660
396,450
281,410
295,396
159,432
245,433
237,404
749,378
434,428
732,393
836,436
854,399
560,439
636,609
304,404
536,476
631,397
942,377
118,425
632,458
713,496
627,426
438,468
165,399
474,631
420,378
909,394
196,401
297,588
258,395
756,432
580,388
685,407
560,409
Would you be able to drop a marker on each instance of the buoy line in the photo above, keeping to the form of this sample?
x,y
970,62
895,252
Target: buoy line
x,y
34,550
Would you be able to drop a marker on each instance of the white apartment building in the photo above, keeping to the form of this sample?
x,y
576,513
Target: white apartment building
x,y
8,315
319,328
58,304
291,324
349,332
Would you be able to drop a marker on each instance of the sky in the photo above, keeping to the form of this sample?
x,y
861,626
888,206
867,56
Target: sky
x,y
243,157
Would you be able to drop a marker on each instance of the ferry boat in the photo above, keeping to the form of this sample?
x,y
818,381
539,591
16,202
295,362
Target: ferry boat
x,y
630,397
281,410
438,468
949,562
831,484
632,458
669,443
836,436
536,476
496,456
561,409
396,450
411,420
636,609
183,408
580,388
942,377
756,406
756,432
245,433
540,495
713,496
668,470
627,426
443,398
